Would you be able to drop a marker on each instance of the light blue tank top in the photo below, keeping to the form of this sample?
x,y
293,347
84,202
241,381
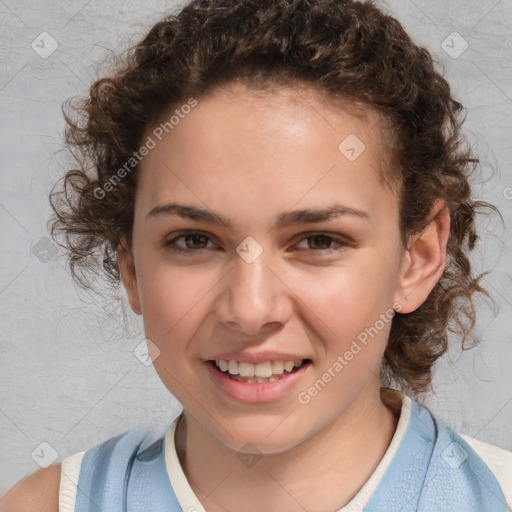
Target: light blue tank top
x,y
433,470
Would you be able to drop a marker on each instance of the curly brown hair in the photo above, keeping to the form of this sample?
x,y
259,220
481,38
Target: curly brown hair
x,y
344,49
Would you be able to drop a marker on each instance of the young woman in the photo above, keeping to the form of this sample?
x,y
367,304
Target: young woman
x,y
282,189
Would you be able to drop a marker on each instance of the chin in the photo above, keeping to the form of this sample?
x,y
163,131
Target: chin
x,y
266,437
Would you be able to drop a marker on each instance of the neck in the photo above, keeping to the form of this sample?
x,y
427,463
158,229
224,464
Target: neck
x,y
338,460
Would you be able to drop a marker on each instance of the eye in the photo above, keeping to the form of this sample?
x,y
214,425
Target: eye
x,y
194,241
314,240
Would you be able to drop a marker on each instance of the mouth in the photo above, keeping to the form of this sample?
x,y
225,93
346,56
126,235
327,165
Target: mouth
x,y
261,373
260,383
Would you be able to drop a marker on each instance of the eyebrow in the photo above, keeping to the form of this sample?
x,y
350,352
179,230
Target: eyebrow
x,y
285,219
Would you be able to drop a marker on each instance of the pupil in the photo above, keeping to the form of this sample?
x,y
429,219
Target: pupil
x,y
195,239
320,237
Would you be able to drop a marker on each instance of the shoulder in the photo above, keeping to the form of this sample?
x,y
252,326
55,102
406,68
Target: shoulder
x,y
479,470
37,492
497,459
447,469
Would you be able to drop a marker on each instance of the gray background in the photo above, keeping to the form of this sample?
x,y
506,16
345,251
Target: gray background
x,y
69,376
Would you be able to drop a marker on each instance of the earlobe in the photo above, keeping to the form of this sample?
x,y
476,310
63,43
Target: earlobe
x,y
128,275
424,261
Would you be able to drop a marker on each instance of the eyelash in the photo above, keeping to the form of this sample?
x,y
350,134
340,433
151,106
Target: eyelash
x,y
342,244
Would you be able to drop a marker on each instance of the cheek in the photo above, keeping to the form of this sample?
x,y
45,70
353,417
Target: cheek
x,y
350,313
173,304
174,309
347,298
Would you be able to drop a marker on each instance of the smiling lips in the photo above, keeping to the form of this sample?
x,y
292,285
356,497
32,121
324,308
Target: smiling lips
x,y
264,372
268,380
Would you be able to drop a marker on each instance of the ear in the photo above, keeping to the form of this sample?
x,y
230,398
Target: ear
x,y
424,261
128,276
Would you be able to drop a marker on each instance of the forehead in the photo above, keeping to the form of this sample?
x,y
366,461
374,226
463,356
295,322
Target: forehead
x,y
271,149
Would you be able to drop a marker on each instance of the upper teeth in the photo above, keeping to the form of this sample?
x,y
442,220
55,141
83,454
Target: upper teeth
x,y
265,369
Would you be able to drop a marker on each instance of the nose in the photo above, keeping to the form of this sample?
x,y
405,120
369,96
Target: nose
x,y
254,298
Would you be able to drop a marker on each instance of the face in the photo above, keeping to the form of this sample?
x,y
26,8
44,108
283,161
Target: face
x,y
253,267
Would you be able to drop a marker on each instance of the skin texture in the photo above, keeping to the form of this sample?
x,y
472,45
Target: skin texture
x,y
250,156
39,492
